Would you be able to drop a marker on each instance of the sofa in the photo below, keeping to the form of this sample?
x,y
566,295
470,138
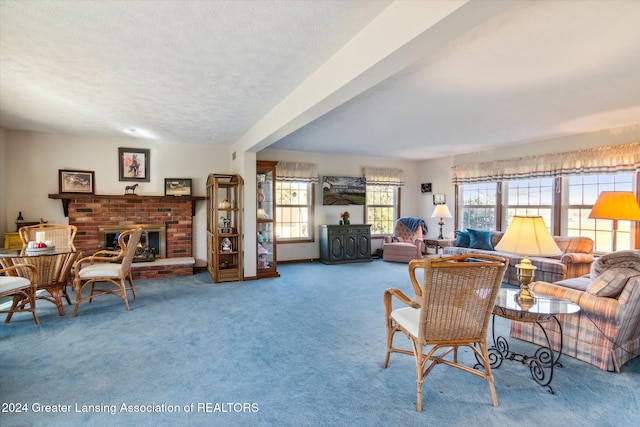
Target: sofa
x,y
575,261
606,331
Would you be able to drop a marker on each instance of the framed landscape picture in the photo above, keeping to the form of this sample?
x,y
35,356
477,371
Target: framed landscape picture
x,y
71,181
133,164
342,190
177,186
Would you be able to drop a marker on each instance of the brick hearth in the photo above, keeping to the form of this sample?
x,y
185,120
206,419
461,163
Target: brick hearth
x,y
88,212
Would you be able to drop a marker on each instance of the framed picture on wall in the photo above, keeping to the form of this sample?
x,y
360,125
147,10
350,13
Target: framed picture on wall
x,y
134,164
438,199
425,188
70,181
177,186
342,190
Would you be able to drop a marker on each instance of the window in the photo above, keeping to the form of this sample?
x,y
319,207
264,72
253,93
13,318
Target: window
x,y
564,196
579,196
478,206
529,197
294,208
381,208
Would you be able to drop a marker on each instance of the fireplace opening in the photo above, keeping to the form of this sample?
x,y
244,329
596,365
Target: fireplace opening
x,y
153,240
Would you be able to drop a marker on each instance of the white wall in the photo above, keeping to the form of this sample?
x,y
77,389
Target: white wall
x,y
33,161
29,164
438,171
4,223
330,165
614,136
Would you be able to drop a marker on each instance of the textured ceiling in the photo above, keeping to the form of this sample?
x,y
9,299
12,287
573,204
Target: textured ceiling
x,y
221,72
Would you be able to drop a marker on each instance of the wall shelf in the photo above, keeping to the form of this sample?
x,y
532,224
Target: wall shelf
x,y
67,198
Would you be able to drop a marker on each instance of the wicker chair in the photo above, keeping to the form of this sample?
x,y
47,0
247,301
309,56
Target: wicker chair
x,y
14,283
61,235
88,271
451,309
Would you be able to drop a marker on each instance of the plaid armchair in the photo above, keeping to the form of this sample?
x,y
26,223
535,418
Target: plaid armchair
x,y
606,331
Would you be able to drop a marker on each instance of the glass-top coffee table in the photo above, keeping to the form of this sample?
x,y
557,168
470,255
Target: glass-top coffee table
x,y
544,309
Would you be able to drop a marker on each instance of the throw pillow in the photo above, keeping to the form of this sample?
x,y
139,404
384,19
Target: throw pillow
x,y
462,239
611,282
480,239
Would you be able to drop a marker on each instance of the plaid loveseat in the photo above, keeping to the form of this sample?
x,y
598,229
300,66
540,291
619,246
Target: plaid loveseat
x,y
575,261
606,331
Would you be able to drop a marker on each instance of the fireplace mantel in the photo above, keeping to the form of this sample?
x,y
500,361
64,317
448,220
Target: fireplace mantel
x,y
88,212
66,199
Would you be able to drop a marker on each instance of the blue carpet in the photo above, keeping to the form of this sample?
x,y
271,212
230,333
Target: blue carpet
x,y
304,349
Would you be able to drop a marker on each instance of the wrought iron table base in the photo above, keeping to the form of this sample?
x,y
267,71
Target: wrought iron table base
x,y
541,363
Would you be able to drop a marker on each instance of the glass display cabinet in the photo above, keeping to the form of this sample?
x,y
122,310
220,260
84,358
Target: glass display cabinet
x,y
224,227
266,219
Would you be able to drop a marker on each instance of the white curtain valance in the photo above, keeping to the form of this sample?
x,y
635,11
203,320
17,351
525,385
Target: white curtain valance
x,y
384,176
601,160
292,171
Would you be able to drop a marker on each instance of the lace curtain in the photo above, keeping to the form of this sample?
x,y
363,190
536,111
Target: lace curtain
x,y
601,160
384,176
291,171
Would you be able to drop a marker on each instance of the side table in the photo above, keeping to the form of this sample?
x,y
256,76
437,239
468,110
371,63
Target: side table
x,y
544,309
438,243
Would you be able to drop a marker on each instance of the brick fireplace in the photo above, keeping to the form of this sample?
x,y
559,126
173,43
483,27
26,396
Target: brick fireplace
x,y
89,212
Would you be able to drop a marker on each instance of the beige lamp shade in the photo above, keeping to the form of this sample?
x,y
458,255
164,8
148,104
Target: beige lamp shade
x,y
617,205
441,211
528,235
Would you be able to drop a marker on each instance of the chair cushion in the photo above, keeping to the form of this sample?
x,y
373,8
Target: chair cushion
x,y
480,239
611,282
10,283
101,269
408,318
462,239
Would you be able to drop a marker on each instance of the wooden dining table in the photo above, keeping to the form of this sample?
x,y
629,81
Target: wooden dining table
x,y
54,268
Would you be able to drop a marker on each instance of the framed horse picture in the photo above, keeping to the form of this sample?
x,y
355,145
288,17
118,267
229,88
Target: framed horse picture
x,y
177,186
134,164
72,181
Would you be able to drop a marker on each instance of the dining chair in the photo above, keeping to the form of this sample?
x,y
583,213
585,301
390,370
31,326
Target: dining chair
x,y
113,268
451,309
19,282
62,235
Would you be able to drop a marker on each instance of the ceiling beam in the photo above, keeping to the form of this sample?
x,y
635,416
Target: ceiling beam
x,y
405,32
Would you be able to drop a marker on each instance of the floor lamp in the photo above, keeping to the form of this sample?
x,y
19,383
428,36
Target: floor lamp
x,y
616,205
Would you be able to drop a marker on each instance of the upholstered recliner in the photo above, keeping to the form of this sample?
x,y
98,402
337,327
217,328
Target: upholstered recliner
x,y
606,331
406,243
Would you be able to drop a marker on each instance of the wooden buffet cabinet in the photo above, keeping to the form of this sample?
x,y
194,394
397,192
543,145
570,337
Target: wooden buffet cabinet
x,y
345,243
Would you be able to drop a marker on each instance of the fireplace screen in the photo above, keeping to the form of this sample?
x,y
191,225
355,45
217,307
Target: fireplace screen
x,y
152,240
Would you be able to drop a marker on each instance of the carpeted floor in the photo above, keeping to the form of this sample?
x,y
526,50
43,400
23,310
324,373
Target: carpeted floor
x,y
304,349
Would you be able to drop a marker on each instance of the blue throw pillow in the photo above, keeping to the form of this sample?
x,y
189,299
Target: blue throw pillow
x,y
462,239
479,239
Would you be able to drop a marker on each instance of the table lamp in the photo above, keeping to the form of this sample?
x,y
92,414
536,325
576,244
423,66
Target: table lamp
x,y
527,235
616,205
441,211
